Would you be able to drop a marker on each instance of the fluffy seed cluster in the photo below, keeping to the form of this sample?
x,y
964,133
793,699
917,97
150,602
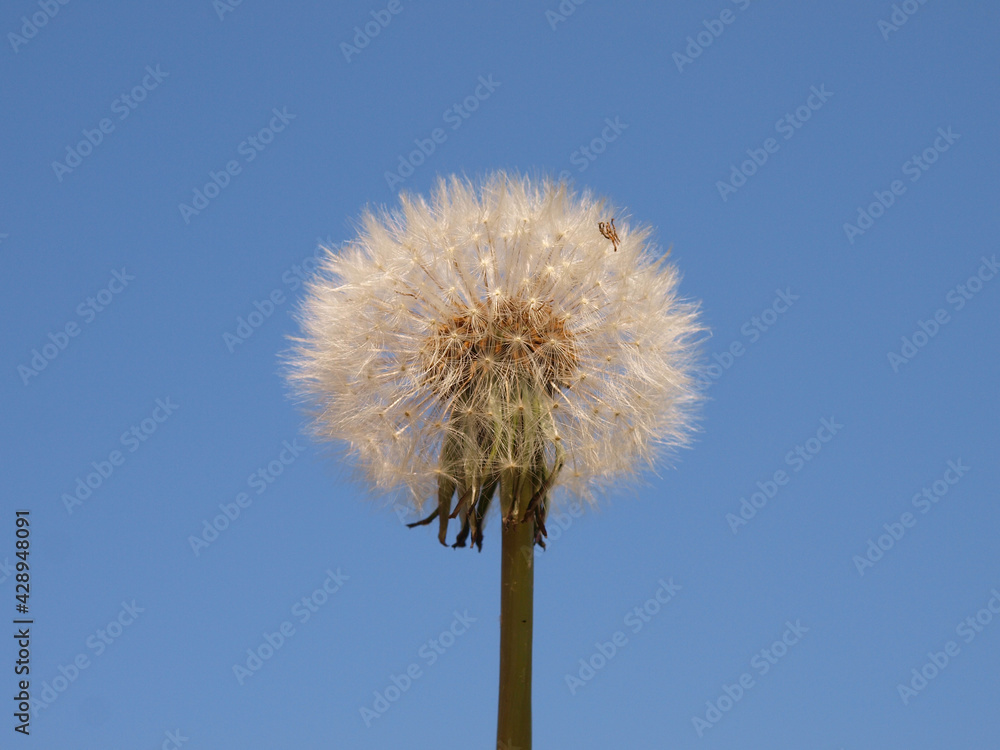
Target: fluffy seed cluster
x,y
496,328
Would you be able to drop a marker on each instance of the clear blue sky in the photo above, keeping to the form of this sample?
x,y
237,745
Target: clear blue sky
x,y
124,288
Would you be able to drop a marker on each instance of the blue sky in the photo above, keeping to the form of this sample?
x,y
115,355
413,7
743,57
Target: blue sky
x,y
826,176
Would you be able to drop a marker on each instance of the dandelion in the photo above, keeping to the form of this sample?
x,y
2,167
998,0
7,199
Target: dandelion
x,y
502,340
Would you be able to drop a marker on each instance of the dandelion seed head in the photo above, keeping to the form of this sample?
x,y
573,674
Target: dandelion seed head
x,y
496,320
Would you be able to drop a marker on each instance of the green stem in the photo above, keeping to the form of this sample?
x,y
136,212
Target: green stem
x,y
517,582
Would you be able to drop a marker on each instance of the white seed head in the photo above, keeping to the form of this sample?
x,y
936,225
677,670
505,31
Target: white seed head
x,y
490,326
